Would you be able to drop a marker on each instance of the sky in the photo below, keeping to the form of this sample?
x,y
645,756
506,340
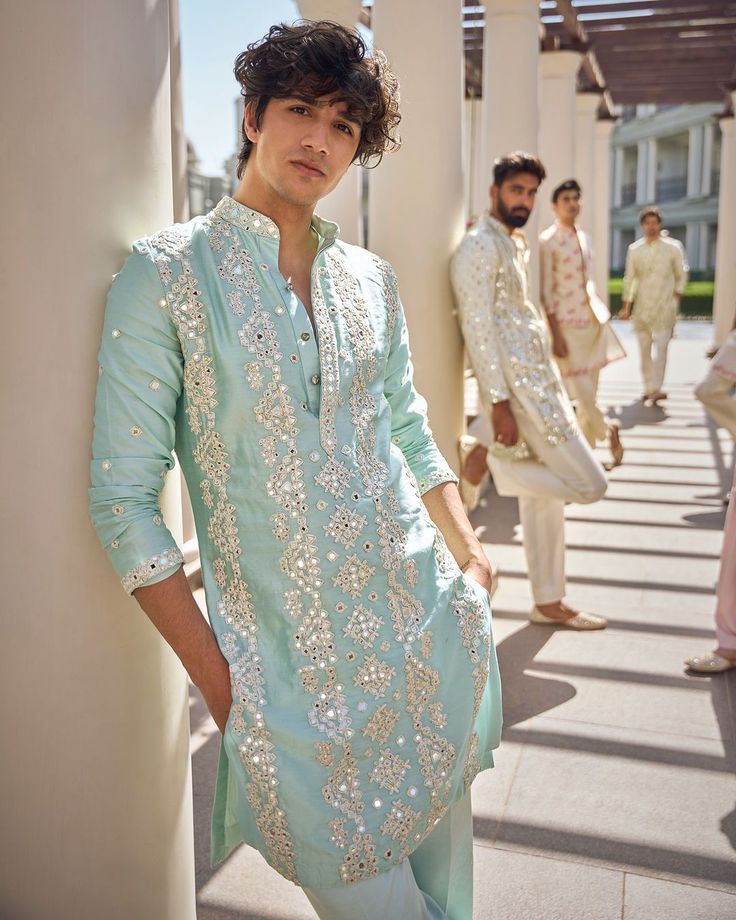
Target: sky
x,y
213,32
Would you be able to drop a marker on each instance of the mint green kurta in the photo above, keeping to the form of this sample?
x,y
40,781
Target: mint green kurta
x,y
365,684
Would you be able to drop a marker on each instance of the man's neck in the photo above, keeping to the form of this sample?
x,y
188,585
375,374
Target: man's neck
x,y
652,239
294,221
566,223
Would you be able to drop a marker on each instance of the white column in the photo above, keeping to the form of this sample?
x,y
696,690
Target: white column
x,y
178,134
646,171
692,243
703,246
602,215
416,197
724,301
707,160
618,175
343,205
616,247
586,108
95,762
651,180
510,85
557,73
695,162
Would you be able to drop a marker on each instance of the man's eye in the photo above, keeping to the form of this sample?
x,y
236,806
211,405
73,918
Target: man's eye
x,y
346,129
299,109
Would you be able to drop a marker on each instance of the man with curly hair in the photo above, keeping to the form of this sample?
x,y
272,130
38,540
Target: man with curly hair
x,y
348,660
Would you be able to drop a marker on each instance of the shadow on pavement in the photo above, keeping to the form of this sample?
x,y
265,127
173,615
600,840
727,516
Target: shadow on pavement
x,y
524,695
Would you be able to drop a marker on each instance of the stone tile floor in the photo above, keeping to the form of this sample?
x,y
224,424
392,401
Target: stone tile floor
x,y
614,793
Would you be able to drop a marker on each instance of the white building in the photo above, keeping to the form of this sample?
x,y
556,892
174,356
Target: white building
x,y
668,155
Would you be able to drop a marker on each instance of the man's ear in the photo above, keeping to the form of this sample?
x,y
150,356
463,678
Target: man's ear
x,y
249,123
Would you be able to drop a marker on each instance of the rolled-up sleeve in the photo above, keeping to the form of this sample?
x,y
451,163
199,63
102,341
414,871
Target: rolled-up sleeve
x,y
140,381
474,273
410,429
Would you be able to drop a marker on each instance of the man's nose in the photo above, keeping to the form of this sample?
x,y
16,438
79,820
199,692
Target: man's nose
x,y
316,138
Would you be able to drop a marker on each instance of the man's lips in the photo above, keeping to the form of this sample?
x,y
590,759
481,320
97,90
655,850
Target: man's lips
x,y
306,168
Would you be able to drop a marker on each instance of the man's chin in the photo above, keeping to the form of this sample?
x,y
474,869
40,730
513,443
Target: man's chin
x,y
517,221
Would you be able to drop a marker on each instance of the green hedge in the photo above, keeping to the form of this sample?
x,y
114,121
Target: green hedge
x,y
697,301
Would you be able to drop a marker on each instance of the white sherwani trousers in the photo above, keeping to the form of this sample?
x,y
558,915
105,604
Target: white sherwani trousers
x,y
567,472
653,348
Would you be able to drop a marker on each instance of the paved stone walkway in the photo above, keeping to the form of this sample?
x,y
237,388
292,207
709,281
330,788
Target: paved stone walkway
x,y
613,795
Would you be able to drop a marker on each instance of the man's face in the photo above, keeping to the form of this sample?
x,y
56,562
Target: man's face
x,y
567,206
513,200
302,147
651,225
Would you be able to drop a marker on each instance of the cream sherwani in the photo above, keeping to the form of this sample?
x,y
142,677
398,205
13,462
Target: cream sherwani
x,y
655,273
508,345
569,294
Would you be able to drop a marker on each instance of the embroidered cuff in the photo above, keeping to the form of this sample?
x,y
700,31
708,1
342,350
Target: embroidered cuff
x,y
156,565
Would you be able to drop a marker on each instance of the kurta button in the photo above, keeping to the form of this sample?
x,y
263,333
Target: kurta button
x,y
305,336
293,358
315,379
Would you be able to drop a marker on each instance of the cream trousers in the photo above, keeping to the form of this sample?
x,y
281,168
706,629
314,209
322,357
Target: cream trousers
x,y
583,391
653,349
564,473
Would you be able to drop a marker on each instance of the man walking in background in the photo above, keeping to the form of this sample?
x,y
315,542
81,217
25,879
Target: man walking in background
x,y
654,280
538,453
583,341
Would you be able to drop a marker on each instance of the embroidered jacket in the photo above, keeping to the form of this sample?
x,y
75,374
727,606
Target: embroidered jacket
x,y
506,336
365,684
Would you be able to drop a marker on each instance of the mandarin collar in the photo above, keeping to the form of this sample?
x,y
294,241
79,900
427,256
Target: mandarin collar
x,y
252,221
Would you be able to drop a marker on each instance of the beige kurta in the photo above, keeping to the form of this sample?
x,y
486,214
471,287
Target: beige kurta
x,y
569,294
655,272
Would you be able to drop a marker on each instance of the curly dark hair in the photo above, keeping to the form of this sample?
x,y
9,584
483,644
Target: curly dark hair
x,y
315,59
517,162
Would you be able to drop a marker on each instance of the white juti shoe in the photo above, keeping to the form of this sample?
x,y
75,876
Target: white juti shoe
x,y
581,621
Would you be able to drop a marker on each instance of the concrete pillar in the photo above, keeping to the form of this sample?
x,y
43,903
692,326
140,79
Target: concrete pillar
x,y
422,184
96,806
557,75
178,134
510,59
618,175
343,205
724,301
707,160
646,171
586,108
617,256
601,191
695,162
692,243
702,262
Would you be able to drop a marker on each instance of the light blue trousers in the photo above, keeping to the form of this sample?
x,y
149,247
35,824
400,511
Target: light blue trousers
x,y
434,883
